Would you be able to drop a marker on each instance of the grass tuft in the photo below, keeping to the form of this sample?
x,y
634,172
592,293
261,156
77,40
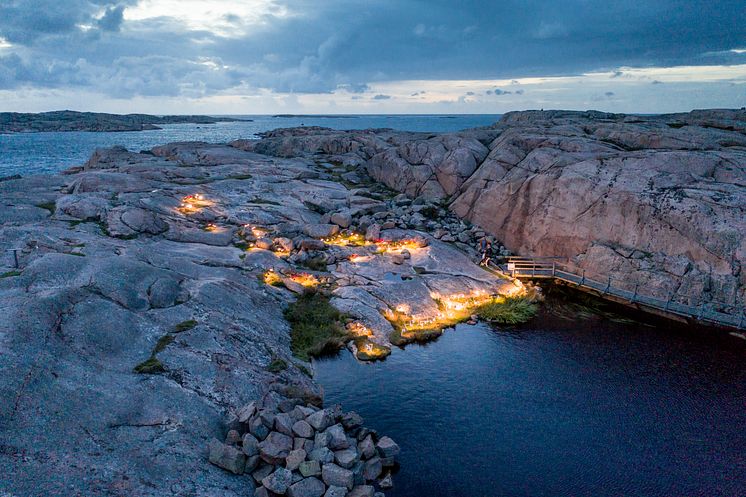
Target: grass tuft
x,y
315,264
510,310
185,326
315,326
10,274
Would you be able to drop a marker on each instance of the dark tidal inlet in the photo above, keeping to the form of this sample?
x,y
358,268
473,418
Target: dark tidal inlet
x,y
574,403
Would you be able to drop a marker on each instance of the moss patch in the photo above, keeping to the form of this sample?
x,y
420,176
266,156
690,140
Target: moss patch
x,y
162,343
277,365
50,206
315,326
185,326
151,366
10,274
510,310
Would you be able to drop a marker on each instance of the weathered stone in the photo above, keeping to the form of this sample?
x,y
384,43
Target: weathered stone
x,y
258,428
310,468
321,454
373,468
321,230
285,244
321,440
303,429
252,462
373,232
308,487
279,481
339,477
261,472
342,219
284,424
293,460
321,420
337,437
345,458
362,491
268,418
261,492
387,447
245,413
311,244
367,448
334,491
227,457
275,448
386,481
232,437
264,244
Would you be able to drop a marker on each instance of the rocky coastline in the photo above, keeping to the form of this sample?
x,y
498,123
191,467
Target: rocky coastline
x,y
145,295
66,120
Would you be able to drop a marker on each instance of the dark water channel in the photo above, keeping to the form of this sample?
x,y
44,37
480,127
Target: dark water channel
x,y
571,404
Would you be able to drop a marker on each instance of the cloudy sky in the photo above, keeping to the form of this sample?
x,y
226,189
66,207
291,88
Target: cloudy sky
x,y
371,56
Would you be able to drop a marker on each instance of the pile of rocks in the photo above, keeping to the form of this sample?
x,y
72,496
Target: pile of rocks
x,y
299,450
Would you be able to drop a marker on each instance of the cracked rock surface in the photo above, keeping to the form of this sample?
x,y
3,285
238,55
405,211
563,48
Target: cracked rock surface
x,y
657,202
137,320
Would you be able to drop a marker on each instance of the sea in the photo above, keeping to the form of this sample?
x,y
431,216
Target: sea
x,y
51,152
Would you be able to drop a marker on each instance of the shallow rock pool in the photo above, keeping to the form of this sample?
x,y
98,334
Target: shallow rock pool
x,y
562,406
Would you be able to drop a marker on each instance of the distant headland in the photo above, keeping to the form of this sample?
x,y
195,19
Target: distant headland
x,y
67,120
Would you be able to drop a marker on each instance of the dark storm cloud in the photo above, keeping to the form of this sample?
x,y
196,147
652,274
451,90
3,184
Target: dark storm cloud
x,y
350,44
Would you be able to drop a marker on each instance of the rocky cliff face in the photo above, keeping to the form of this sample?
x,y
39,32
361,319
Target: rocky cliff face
x,y
656,202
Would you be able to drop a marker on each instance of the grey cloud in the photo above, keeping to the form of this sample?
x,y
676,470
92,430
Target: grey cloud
x,y
348,45
498,91
382,97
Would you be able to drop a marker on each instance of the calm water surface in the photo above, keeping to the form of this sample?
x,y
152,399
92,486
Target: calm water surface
x,y
34,153
558,407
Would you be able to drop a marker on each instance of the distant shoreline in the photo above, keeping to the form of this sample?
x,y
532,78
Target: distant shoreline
x,y
61,121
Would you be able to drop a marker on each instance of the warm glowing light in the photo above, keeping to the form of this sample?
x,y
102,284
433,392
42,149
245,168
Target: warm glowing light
x,y
194,203
272,278
305,279
358,329
347,240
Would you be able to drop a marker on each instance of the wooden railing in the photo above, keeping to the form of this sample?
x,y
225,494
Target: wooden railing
x,y
718,313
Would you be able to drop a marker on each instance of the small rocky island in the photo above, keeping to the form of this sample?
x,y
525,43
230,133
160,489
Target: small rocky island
x,y
67,120
161,308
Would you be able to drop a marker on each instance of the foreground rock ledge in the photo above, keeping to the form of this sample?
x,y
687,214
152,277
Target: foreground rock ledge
x,y
139,313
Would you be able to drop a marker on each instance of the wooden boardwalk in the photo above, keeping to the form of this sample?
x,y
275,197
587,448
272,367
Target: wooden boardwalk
x,y
713,313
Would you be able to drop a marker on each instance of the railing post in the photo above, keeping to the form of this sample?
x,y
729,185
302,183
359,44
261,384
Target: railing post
x,y
701,310
582,280
634,295
608,285
553,269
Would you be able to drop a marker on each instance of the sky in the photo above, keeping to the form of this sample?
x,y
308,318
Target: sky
x,y
371,56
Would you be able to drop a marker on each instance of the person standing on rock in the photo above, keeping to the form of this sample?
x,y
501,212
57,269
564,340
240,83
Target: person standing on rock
x,y
485,247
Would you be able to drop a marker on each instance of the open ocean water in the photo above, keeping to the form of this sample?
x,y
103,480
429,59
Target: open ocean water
x,y
39,153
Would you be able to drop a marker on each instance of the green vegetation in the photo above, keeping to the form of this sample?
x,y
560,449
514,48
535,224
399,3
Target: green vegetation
x,y
151,366
185,326
510,310
10,274
50,206
277,365
315,326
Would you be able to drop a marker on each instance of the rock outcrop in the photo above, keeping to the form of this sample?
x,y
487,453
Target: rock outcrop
x,y
137,312
654,202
